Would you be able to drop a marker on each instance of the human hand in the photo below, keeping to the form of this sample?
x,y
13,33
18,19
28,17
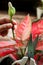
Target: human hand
x,y
5,24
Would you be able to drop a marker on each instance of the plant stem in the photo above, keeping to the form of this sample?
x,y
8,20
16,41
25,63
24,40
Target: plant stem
x,y
13,31
21,52
12,27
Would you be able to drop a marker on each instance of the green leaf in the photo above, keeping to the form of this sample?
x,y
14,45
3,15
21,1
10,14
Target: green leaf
x,y
31,47
35,42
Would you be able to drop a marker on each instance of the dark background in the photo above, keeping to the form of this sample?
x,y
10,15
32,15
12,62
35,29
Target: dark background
x,y
20,5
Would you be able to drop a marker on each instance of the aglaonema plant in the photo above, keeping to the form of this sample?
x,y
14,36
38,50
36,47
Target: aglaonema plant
x,y
11,12
32,46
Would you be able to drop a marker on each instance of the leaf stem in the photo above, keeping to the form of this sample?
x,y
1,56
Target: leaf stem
x,y
12,27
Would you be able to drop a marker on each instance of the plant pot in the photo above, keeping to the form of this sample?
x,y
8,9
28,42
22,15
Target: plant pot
x,y
39,12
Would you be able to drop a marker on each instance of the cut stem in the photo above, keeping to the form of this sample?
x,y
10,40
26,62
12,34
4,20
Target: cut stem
x,y
12,27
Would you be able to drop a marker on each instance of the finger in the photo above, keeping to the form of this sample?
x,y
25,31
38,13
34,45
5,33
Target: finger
x,y
5,38
4,20
5,26
14,22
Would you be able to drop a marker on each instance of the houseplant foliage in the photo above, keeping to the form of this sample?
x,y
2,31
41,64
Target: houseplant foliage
x,y
29,31
35,40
